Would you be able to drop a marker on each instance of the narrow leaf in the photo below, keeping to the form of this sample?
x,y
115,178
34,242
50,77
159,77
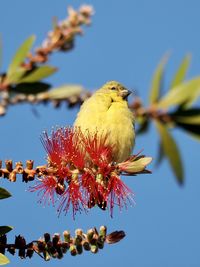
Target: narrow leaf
x,y
31,88
156,84
3,259
4,193
181,93
187,116
179,76
187,112
5,229
171,151
193,129
20,55
15,77
38,74
65,92
160,155
191,99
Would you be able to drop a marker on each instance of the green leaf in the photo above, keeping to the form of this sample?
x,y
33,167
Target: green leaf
x,y
187,116
65,92
30,88
156,84
5,229
15,77
193,129
181,93
4,193
160,156
171,151
38,74
20,55
3,259
181,72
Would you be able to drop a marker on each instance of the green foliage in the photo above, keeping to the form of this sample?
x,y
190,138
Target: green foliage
x,y
38,74
15,77
3,259
188,120
5,229
171,151
192,129
179,76
19,57
4,193
31,88
65,91
187,116
157,81
181,94
160,155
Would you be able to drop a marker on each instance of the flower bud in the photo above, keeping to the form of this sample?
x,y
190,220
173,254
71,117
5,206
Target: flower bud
x,y
47,237
103,231
73,250
94,249
86,245
66,235
46,256
135,164
90,234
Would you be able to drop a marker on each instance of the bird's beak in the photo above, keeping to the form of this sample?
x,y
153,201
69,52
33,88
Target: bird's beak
x,y
125,93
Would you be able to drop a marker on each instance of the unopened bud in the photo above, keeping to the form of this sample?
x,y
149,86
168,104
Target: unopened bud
x,y
94,249
46,255
86,245
73,250
66,235
12,176
90,234
47,237
55,239
103,231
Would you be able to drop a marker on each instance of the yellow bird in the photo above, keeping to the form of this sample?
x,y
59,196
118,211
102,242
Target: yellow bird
x,y
107,112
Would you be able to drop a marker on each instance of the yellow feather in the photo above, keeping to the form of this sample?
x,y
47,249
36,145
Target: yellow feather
x,y
107,112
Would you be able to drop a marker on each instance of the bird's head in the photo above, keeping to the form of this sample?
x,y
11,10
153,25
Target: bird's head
x,y
116,91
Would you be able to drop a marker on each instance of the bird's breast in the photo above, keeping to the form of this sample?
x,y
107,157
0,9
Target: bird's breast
x,y
111,118
120,124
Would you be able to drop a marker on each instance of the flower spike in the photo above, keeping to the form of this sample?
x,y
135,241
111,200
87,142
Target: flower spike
x,y
80,173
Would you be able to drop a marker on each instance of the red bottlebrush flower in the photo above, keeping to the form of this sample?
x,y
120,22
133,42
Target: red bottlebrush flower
x,y
53,146
71,141
96,147
92,190
72,196
82,173
99,152
63,147
46,187
118,193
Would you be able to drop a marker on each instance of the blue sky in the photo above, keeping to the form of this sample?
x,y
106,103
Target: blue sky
x,y
124,43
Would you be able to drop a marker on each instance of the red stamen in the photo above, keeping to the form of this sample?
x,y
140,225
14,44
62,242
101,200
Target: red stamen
x,y
46,187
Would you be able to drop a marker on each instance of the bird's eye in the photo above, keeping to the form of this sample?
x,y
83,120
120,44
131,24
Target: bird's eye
x,y
113,88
